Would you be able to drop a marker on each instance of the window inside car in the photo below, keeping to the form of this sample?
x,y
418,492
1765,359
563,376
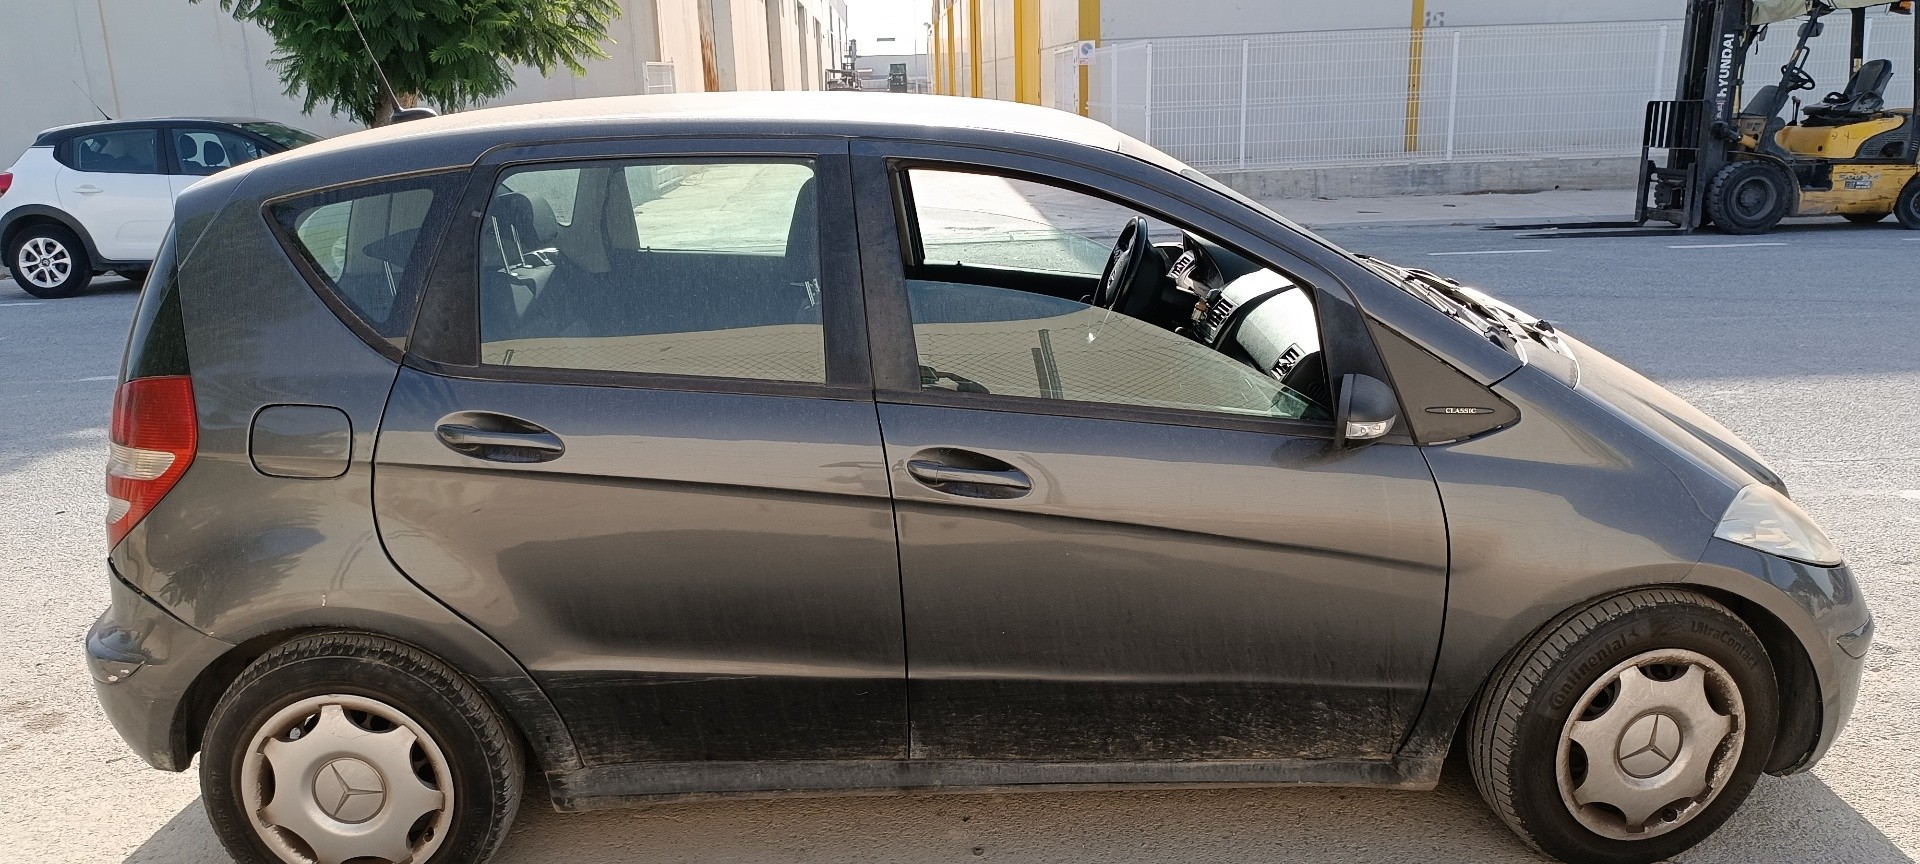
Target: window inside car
x,y
206,151
121,151
1015,288
686,267
364,245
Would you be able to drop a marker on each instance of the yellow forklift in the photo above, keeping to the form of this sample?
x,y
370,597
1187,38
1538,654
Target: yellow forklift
x,y
1743,168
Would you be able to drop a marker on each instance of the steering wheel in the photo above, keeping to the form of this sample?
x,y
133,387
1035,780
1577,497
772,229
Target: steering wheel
x,y
1120,284
1795,78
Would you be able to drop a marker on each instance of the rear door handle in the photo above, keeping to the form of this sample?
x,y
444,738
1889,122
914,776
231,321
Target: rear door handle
x,y
88,189
938,470
496,445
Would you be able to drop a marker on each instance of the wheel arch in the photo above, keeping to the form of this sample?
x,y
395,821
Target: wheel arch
x,y
519,700
1798,685
28,215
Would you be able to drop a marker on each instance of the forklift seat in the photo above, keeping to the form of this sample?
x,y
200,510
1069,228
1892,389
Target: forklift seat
x,y
1864,97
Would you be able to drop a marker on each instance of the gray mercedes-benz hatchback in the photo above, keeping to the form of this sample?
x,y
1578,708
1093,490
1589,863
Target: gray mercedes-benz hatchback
x,y
801,443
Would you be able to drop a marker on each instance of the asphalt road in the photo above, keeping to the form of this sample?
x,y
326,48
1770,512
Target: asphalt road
x,y
1808,349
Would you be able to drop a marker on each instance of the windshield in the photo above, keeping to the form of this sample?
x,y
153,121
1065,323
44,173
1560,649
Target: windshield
x,y
281,134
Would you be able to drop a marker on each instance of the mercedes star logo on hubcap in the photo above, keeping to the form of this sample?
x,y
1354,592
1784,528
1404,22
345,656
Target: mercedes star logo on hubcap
x,y
1649,745
349,790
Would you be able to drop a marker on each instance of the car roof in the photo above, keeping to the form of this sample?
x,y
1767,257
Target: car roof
x,y
57,134
461,138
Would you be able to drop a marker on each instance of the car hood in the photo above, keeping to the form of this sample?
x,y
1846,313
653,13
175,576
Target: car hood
x,y
1664,416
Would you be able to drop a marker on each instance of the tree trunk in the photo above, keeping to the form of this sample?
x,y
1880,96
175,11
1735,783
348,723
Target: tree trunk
x,y
383,115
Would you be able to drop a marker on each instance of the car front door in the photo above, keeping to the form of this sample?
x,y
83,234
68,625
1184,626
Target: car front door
x,y
1116,543
635,442
113,182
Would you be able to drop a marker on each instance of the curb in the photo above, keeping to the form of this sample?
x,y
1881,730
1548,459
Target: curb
x,y
1460,222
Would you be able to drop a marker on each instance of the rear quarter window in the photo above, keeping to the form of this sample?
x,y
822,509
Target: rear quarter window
x,y
365,248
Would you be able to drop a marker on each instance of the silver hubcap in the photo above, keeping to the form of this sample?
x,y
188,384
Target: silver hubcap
x,y
45,262
1650,744
341,778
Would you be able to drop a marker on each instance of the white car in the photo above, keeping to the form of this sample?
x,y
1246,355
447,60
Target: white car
x,y
98,197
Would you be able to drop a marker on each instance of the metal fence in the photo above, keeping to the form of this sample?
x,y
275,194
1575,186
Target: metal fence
x,y
1397,96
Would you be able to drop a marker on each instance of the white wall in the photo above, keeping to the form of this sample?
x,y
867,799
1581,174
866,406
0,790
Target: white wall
x,y
1142,19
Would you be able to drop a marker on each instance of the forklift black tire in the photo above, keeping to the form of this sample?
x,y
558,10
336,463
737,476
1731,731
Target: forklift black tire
x,y
1750,197
1865,218
1907,208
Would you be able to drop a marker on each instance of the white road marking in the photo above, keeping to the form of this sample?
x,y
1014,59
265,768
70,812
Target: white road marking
x,y
1494,252
1723,245
97,378
34,303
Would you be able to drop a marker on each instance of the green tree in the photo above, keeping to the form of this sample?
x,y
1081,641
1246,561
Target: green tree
x,y
446,53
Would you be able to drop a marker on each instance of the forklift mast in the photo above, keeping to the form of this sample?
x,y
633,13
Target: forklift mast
x,y
1695,127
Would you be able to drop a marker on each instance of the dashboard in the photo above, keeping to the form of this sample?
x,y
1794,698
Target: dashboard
x,y
1259,316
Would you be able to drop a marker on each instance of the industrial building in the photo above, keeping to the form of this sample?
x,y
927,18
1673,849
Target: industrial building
x,y
68,61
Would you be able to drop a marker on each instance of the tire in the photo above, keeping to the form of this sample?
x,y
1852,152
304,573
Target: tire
x,y
1524,740
1865,218
49,262
1907,207
1750,197
330,690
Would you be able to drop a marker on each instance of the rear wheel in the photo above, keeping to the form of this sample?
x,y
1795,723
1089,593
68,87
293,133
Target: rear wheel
x,y
1865,218
342,747
1628,731
1907,208
1750,197
48,261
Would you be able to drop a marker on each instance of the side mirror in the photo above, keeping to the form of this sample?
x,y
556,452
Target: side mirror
x,y
1368,409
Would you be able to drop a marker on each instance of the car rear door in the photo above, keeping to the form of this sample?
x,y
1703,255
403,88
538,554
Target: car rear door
x,y
114,183
1091,572
635,442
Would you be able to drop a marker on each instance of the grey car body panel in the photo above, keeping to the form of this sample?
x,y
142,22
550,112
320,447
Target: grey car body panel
x,y
302,554
1165,592
702,576
1583,497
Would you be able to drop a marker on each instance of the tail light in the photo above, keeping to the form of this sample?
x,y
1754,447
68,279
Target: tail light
x,y
6,181
155,434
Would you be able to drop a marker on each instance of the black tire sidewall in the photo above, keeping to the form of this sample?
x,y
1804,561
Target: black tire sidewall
x,y
76,281
1702,629
1722,199
254,701
1907,207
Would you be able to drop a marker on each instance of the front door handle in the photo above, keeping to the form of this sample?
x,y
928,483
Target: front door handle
x,y
88,189
968,474
501,445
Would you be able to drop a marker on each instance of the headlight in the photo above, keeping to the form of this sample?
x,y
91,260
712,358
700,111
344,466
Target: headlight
x,y
1763,519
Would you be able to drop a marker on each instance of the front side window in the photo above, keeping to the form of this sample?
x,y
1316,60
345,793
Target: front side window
x,y
1004,309
122,151
364,245
205,151
688,267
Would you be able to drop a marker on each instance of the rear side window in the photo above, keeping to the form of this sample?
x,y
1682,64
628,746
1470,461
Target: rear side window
x,y
703,268
365,247
122,151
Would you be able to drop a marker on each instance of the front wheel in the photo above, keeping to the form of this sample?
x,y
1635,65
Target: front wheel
x,y
1750,197
342,747
1628,731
